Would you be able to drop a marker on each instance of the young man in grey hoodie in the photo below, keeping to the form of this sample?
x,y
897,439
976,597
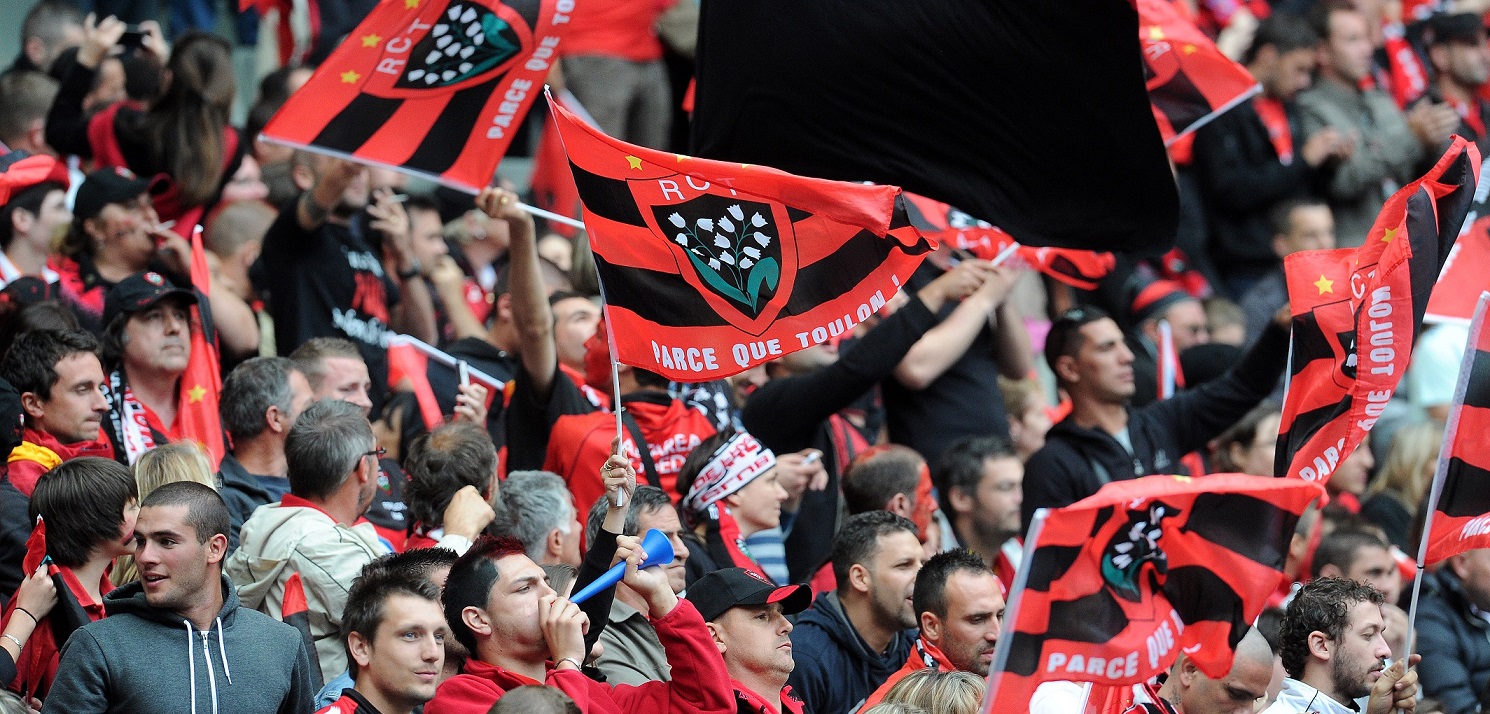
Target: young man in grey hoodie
x,y
174,640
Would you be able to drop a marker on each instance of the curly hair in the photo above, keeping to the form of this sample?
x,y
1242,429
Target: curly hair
x,y
1322,605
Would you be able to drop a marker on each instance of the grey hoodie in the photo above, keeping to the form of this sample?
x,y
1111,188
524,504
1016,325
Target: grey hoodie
x,y
144,659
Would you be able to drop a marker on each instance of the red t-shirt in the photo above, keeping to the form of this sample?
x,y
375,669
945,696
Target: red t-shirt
x,y
616,28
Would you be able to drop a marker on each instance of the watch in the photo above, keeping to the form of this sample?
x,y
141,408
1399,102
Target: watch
x,y
415,269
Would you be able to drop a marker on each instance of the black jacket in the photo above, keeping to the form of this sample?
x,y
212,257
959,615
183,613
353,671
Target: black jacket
x,y
1240,179
836,670
1076,461
791,414
1456,641
242,493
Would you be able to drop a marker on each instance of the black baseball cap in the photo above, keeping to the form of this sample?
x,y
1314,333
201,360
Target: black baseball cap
x,y
105,186
1464,27
721,590
139,292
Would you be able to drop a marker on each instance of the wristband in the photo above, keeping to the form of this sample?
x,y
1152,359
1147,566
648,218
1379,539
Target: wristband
x,y
28,614
571,660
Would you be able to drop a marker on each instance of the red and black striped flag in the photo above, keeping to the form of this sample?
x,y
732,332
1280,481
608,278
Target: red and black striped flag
x,y
1190,81
1081,269
1461,488
709,268
1114,586
1357,312
435,87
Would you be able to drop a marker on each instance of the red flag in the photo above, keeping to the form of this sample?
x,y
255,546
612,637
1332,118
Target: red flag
x,y
295,612
434,87
1078,268
201,383
1460,283
553,185
709,268
1190,82
1357,312
1461,487
1114,586
410,364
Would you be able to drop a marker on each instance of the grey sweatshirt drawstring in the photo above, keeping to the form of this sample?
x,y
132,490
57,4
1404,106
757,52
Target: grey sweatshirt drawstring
x,y
191,660
224,648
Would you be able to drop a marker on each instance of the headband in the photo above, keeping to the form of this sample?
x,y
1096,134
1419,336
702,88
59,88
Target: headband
x,y
738,462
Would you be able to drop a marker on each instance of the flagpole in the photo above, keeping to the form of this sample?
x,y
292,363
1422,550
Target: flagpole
x,y
1166,357
1440,473
1011,612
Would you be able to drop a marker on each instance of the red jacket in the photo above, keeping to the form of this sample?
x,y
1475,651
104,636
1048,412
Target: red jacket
x,y
40,452
751,703
700,683
923,655
37,666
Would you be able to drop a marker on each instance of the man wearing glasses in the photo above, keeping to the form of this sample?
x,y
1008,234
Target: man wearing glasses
x,y
302,554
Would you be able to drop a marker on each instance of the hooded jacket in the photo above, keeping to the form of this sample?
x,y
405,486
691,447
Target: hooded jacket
x,y
1457,641
294,536
145,659
242,492
1298,698
836,670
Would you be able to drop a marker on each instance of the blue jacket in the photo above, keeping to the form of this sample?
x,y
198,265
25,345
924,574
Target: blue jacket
x,y
1456,642
836,670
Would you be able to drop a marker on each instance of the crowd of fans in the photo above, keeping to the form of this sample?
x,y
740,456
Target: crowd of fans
x,y
846,521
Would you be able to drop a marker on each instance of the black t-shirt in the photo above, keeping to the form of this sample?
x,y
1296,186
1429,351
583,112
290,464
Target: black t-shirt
x,y
965,401
328,283
529,419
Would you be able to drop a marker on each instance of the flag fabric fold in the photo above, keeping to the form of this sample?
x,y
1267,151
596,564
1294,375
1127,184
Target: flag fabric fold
x,y
1115,586
1081,269
709,268
434,377
1461,489
1357,313
432,87
1190,81
201,383
877,90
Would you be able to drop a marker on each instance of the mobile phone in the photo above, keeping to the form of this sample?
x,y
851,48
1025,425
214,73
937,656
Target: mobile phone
x,y
133,37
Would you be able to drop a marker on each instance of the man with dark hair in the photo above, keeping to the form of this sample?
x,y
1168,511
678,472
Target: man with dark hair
x,y
35,208
25,98
498,604
50,27
1335,652
1362,556
632,653
455,457
89,506
747,617
147,346
259,403
1254,156
1297,224
1452,631
1105,439
394,632
131,661
61,383
1461,66
1385,145
852,639
451,318
1189,691
960,604
894,478
981,485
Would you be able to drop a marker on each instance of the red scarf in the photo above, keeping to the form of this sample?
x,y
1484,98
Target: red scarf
x,y
1275,119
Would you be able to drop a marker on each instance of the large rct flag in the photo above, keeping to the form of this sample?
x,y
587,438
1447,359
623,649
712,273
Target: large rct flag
x,y
1081,269
1461,487
433,87
1190,81
710,268
1357,312
988,106
1114,586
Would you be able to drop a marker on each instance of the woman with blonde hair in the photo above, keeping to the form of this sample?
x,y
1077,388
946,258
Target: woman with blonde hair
x,y
1403,483
179,461
939,692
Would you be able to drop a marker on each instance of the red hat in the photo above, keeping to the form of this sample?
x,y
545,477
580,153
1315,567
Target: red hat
x,y
21,171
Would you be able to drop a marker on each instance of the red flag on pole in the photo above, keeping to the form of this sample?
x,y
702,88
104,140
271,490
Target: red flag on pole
x,y
1190,81
1461,487
1462,279
201,383
553,184
432,87
1114,586
943,223
1357,312
709,268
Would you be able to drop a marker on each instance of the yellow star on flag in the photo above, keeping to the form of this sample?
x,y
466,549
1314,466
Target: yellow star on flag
x,y
1156,33
350,77
1325,285
1389,235
411,4
680,157
196,393
635,161
371,40
1189,49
